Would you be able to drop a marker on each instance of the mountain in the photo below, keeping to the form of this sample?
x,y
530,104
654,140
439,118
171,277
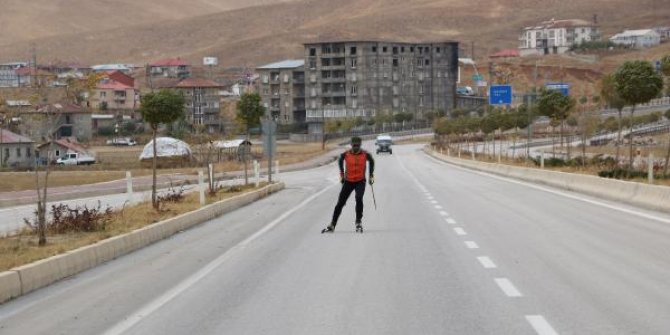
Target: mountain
x,y
249,33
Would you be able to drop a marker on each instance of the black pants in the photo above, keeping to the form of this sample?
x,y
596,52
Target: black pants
x,y
347,188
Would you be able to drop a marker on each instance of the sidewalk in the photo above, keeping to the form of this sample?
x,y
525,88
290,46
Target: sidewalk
x,y
16,198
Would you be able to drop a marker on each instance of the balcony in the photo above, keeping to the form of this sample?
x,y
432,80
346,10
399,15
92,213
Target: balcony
x,y
298,80
339,93
334,80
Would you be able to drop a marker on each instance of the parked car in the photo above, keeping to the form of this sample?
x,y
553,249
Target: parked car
x,y
122,141
75,158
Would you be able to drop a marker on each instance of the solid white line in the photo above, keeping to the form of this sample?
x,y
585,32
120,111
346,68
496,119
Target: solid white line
x,y
443,213
541,326
486,262
563,194
438,207
451,221
471,245
507,287
164,299
459,231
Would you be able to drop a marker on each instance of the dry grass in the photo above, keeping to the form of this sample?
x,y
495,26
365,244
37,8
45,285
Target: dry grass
x,y
22,249
115,161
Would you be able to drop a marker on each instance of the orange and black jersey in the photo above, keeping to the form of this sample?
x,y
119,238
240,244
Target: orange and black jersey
x,y
352,165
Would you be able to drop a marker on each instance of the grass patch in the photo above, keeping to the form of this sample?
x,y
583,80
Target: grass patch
x,y
22,248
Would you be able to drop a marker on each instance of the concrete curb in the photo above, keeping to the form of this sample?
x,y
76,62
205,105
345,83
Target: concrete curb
x,y
652,197
30,277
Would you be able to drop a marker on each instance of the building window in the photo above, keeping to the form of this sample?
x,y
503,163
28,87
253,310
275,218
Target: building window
x,y
437,50
354,62
384,49
395,50
28,153
312,52
103,94
427,62
354,90
395,62
421,101
374,49
402,49
419,62
312,64
352,50
7,153
411,49
18,152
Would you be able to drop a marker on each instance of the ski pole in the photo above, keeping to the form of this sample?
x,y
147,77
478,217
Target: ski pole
x,y
373,196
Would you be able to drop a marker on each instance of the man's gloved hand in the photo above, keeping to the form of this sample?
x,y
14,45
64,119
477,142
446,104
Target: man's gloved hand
x,y
372,180
341,179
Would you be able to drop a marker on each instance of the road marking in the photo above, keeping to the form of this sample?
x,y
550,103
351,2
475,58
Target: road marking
x,y
164,299
507,287
563,194
433,201
451,221
487,263
443,213
438,207
541,326
471,245
459,231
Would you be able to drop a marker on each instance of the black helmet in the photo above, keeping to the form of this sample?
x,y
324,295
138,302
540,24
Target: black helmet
x,y
356,140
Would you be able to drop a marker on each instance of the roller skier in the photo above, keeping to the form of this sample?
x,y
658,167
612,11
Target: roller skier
x,y
352,165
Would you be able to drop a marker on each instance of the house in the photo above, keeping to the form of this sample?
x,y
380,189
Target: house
x,y
15,150
642,38
170,68
8,75
58,120
203,99
556,36
110,94
125,68
664,32
59,148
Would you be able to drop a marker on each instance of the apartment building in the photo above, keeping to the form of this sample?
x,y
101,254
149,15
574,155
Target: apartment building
x,y
170,68
363,78
203,102
556,36
282,90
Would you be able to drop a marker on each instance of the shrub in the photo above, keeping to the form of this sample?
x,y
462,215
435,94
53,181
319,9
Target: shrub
x,y
78,219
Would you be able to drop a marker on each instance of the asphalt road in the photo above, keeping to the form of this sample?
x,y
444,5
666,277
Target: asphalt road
x,y
447,251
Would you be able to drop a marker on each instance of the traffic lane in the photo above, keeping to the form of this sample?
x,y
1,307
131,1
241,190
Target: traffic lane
x,y
408,273
94,300
598,270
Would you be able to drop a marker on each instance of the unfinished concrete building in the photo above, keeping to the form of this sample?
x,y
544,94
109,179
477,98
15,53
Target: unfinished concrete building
x,y
282,90
364,78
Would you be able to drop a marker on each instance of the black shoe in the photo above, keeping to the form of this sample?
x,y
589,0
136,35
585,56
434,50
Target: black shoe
x,y
359,227
328,229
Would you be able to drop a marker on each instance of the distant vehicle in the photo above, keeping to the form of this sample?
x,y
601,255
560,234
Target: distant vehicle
x,y
465,90
75,158
122,141
383,143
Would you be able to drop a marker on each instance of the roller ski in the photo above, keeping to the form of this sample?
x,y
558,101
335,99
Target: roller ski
x,y
328,229
359,227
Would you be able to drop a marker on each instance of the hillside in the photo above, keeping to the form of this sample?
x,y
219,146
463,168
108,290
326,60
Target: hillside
x,y
90,31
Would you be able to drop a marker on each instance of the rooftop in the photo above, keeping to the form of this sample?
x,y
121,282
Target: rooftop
x,y
170,62
7,136
285,64
551,24
111,67
111,84
634,33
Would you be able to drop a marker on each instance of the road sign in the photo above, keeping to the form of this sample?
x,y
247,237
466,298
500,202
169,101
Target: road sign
x,y
500,95
482,83
563,87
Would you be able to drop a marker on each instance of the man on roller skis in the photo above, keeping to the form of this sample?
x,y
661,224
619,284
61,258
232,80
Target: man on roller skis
x,y
352,165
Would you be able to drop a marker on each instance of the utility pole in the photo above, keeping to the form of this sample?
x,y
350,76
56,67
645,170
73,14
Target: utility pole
x,y
34,60
531,97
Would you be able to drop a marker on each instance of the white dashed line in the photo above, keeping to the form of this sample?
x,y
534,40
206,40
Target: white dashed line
x,y
438,207
541,326
433,201
471,245
507,287
451,221
487,263
443,213
459,231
